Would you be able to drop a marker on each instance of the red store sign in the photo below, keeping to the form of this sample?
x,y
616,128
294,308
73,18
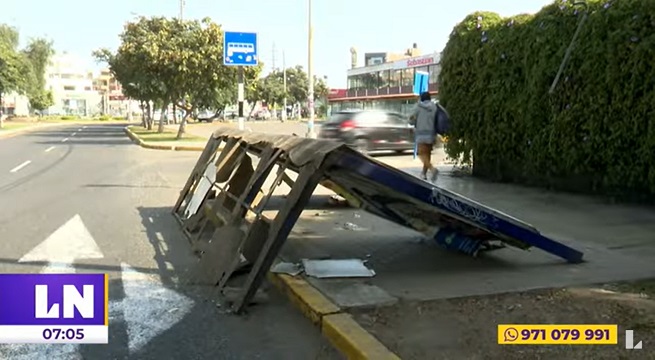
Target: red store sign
x,y
414,62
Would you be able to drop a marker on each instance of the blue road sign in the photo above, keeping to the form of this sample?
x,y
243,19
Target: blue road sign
x,y
240,49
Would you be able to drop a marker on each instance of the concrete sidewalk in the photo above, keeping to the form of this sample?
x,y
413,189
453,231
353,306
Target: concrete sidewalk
x,y
424,300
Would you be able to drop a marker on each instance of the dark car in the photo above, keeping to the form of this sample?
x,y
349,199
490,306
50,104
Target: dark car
x,y
370,130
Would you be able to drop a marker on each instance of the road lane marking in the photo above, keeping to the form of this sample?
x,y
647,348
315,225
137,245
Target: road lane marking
x,y
148,307
73,134
64,140
49,149
70,242
80,129
84,127
17,168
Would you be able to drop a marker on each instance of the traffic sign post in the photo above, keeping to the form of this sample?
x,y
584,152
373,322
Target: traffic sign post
x,y
240,49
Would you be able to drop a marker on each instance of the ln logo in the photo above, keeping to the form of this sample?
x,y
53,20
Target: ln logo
x,y
72,299
630,341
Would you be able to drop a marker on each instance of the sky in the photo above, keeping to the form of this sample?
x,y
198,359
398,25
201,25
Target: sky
x,y
81,26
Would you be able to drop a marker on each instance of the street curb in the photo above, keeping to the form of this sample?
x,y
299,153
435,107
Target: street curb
x,y
339,327
144,144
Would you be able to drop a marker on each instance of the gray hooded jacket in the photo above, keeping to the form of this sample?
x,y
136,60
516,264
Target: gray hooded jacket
x,y
423,120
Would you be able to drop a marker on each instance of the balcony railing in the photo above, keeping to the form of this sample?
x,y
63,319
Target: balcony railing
x,y
385,91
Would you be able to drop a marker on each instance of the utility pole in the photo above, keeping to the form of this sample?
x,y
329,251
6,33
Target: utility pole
x,y
310,74
284,84
273,59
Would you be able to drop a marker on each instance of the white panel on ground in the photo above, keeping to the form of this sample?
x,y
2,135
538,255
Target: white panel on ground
x,y
148,308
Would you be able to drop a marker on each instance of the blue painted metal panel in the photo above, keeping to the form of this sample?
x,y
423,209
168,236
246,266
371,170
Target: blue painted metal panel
x,y
421,81
240,49
453,207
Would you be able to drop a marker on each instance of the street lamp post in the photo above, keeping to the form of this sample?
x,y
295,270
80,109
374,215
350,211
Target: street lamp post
x,y
310,74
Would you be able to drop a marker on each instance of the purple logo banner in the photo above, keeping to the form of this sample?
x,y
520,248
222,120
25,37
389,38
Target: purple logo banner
x,y
53,299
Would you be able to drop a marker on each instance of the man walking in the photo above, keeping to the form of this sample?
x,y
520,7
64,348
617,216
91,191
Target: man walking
x,y
423,119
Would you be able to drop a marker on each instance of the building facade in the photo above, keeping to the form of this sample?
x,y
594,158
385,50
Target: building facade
x,y
388,85
71,84
113,102
14,104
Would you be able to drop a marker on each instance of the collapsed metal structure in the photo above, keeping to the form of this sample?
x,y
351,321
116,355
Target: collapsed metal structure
x,y
221,207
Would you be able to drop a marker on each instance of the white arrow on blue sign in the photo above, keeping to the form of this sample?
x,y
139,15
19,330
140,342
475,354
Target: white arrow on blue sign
x,y
240,49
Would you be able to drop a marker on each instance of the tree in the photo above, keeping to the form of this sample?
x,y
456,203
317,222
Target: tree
x,y
37,54
271,88
174,61
12,64
24,71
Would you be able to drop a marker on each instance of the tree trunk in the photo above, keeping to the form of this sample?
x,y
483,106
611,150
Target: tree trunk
x,y
252,108
150,115
160,129
182,129
143,115
174,114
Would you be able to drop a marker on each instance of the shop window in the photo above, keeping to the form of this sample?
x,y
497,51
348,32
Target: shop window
x,y
384,78
394,80
434,70
370,81
407,78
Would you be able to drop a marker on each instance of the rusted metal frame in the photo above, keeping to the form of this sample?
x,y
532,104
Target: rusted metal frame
x,y
224,157
267,160
235,198
278,179
260,182
308,178
231,145
206,154
230,148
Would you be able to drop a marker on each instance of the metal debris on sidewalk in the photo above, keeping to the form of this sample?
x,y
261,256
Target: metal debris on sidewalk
x,y
352,227
287,268
342,268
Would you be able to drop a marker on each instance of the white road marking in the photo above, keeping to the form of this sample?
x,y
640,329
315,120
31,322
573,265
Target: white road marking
x,y
50,149
84,127
69,242
148,308
80,129
17,168
73,134
64,140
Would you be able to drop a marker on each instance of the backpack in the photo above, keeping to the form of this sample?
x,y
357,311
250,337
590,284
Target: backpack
x,y
442,121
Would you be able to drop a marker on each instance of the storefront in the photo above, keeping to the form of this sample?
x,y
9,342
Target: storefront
x,y
387,86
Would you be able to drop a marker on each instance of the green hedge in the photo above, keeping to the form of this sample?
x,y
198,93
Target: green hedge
x,y
594,133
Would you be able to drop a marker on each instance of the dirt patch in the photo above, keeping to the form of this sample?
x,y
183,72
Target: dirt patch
x,y
465,328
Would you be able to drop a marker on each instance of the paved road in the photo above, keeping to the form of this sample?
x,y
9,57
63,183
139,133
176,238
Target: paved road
x,y
85,195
